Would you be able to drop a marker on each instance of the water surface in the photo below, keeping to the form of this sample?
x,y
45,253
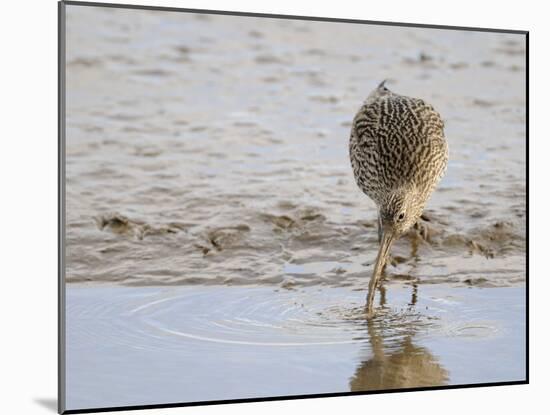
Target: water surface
x,y
159,345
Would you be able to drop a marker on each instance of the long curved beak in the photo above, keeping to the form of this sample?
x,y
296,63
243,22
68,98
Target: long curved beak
x,y
387,240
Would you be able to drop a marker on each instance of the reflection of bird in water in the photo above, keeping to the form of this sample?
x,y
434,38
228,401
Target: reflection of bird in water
x,y
405,366
398,154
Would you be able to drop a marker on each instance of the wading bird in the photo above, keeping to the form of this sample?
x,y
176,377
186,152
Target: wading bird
x,y
398,153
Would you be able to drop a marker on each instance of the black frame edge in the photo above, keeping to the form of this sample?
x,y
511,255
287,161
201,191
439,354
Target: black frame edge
x,y
291,397
290,17
61,16
527,206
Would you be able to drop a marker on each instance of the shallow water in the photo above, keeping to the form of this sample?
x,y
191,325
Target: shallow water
x,y
173,344
217,246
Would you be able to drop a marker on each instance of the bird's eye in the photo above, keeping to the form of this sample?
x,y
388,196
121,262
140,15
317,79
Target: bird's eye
x,y
401,217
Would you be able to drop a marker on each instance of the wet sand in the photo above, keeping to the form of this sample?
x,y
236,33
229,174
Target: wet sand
x,y
216,151
260,341
207,161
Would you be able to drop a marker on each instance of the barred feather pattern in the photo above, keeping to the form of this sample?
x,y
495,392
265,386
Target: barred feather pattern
x,y
397,142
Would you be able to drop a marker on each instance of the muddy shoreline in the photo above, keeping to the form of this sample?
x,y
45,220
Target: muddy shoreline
x,y
222,159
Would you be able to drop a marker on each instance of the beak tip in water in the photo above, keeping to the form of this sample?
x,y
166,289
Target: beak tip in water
x,y
385,245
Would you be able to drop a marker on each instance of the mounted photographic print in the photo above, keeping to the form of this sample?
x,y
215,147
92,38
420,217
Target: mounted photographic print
x,y
258,207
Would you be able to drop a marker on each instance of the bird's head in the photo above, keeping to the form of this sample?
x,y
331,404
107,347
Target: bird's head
x,y
380,91
399,210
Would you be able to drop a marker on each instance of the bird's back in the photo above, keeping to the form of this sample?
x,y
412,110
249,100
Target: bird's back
x,y
397,140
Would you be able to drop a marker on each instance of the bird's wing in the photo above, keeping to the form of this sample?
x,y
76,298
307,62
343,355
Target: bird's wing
x,y
397,139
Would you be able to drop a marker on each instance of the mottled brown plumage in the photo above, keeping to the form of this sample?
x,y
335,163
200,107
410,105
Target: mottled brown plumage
x,y
398,153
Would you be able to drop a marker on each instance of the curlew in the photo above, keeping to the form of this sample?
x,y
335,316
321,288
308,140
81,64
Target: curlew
x,y
398,153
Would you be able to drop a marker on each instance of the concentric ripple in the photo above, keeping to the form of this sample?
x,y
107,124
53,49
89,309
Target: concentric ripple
x,y
163,318
261,317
